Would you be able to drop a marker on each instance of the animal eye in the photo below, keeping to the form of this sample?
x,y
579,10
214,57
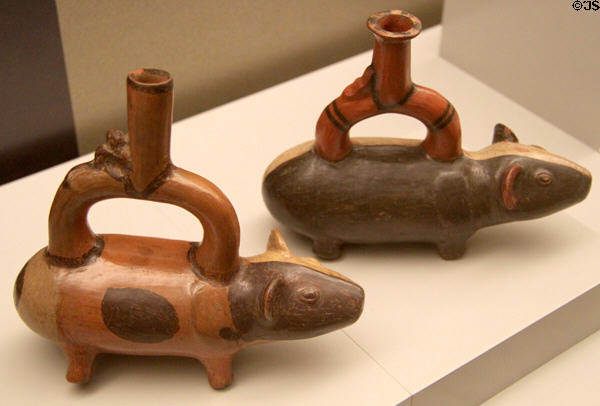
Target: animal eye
x,y
309,295
543,178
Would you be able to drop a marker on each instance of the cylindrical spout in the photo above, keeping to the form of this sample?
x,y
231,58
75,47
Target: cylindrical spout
x,y
139,166
149,116
393,31
386,87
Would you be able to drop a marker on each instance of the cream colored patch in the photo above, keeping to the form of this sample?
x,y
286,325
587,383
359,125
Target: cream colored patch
x,y
210,309
281,256
406,142
289,154
492,151
276,242
277,251
39,297
530,151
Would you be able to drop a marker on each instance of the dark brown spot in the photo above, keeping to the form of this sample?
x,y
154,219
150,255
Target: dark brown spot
x,y
228,334
19,285
139,315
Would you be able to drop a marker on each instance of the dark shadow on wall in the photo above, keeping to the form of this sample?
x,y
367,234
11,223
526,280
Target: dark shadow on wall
x,y
36,121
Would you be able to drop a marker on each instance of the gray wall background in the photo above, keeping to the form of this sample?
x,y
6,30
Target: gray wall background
x,y
217,51
543,54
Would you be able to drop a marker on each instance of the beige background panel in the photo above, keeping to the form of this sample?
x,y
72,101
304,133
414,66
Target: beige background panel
x,y
542,54
217,51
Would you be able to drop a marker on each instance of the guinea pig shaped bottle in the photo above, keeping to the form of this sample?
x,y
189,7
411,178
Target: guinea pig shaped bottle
x,y
125,294
381,190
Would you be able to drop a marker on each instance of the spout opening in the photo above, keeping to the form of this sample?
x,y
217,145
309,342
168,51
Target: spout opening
x,y
394,25
150,80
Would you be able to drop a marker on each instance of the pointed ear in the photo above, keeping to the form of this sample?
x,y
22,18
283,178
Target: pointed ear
x,y
508,186
503,133
276,242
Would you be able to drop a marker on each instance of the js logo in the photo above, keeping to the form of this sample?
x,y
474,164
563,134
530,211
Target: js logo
x,y
586,5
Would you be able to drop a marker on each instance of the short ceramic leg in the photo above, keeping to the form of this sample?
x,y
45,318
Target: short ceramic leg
x,y
219,371
327,248
452,249
80,361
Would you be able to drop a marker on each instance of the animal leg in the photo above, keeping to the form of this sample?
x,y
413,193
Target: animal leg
x,y
219,371
80,361
452,249
327,248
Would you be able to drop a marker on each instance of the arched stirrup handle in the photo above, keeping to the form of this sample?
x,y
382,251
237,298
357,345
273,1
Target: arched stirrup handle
x,y
137,165
386,87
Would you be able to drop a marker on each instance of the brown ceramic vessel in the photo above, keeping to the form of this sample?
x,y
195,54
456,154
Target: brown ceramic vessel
x,y
379,190
123,294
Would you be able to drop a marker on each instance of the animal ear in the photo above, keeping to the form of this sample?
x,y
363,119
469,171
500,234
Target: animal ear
x,y
503,133
272,291
276,242
508,186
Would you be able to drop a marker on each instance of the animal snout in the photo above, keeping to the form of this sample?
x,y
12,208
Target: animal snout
x,y
586,185
349,304
358,302
323,309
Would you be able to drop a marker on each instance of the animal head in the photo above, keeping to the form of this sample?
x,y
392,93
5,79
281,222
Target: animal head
x,y
277,295
534,182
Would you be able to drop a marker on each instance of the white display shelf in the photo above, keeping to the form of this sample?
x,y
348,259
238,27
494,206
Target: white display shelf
x,y
433,332
569,379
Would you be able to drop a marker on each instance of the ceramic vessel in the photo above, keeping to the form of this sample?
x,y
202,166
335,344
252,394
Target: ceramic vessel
x,y
379,190
125,294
